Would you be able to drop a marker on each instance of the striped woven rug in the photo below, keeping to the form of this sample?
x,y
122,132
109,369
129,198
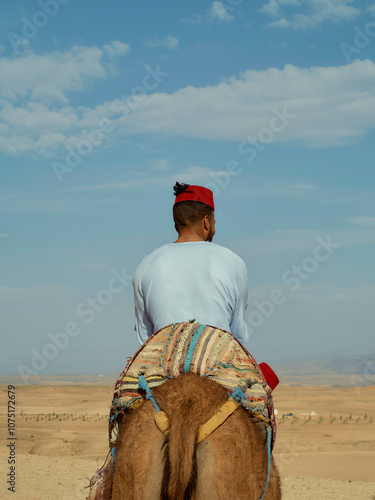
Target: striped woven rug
x,y
191,347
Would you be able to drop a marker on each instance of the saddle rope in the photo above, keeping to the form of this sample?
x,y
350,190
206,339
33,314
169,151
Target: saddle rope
x,y
269,461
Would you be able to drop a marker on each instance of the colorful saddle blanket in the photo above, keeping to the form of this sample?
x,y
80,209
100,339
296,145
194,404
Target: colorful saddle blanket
x,y
191,347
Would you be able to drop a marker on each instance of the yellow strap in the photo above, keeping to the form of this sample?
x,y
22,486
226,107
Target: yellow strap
x,y
206,429
137,403
162,422
222,414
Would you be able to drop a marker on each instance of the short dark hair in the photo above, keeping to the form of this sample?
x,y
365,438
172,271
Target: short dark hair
x,y
188,213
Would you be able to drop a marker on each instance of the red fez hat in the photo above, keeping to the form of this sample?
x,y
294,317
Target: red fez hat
x,y
270,376
197,193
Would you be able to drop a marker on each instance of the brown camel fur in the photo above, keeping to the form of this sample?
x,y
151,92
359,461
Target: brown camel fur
x,y
230,464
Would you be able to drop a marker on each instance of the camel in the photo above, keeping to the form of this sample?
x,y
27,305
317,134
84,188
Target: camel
x,y
229,464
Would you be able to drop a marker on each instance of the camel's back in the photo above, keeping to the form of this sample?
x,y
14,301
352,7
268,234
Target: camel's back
x,y
230,463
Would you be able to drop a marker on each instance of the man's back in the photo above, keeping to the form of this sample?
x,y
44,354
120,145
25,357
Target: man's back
x,y
192,280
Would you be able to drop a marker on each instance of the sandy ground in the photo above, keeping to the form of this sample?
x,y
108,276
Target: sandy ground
x,y
62,439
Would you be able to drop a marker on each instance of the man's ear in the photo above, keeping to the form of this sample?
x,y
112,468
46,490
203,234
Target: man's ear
x,y
206,222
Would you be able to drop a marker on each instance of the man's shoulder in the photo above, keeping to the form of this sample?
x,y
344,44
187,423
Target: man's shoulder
x,y
157,252
198,247
212,251
224,250
227,253
149,257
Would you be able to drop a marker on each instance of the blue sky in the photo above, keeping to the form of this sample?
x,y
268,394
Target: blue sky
x,y
104,106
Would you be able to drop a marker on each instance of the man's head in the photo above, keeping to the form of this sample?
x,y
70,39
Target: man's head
x,y
193,210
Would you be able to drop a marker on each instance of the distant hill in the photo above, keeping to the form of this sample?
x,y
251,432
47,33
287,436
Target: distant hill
x,y
355,371
69,379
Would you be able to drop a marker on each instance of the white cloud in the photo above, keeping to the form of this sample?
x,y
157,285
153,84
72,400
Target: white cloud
x,y
116,48
274,7
34,96
16,145
331,106
36,117
49,77
310,14
280,23
217,13
169,42
362,221
294,3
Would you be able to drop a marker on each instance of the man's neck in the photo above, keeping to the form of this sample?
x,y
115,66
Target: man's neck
x,y
188,237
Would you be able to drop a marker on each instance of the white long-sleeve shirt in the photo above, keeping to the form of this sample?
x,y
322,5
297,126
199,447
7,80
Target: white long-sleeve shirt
x,y
193,280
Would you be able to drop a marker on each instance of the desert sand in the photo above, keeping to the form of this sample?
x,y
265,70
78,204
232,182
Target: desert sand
x,y
62,439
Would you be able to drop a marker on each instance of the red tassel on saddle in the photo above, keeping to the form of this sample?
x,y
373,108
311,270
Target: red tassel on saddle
x,y
270,376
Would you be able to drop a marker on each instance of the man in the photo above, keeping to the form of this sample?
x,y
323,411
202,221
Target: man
x,y
191,278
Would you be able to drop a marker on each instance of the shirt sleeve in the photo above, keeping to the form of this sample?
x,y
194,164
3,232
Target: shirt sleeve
x,y
238,324
143,324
